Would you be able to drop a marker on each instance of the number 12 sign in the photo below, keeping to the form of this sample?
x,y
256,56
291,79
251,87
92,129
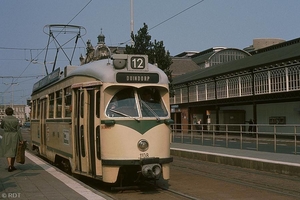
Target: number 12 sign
x,y
138,63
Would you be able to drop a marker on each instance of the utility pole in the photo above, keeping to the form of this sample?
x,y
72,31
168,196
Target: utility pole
x,y
2,98
12,93
131,21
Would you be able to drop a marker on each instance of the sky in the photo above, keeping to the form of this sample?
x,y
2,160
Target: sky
x,y
183,25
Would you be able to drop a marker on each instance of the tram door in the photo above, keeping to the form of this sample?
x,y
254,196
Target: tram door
x,y
85,130
43,129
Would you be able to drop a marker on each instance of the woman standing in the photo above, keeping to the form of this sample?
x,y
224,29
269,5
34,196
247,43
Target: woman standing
x,y
11,137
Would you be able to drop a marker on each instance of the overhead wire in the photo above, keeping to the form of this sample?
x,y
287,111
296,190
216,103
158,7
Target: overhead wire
x,y
173,16
15,79
164,21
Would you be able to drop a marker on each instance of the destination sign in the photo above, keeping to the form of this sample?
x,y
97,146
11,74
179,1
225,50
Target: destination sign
x,y
137,77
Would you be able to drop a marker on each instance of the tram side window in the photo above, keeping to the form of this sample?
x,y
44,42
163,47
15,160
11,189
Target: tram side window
x,y
58,103
82,146
38,109
68,101
51,105
33,109
98,104
81,104
98,143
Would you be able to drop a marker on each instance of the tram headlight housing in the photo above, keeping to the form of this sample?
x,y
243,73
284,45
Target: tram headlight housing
x,y
119,61
143,145
119,64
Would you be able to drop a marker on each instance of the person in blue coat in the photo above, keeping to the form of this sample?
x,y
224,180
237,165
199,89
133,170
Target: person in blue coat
x,y
11,138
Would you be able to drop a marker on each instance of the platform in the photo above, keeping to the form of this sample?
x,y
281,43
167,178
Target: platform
x,y
265,161
36,179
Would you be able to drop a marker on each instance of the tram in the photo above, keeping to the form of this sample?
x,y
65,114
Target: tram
x,y
108,119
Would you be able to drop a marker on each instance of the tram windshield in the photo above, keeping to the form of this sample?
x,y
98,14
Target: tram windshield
x,y
131,102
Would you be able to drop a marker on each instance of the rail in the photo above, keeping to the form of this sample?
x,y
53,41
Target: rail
x,y
260,137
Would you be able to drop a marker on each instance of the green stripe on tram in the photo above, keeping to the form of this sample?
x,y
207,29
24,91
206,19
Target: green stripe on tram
x,y
140,126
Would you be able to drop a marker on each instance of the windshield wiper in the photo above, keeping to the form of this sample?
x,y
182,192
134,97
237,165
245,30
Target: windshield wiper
x,y
123,114
151,110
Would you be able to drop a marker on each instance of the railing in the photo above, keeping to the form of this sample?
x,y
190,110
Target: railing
x,y
259,137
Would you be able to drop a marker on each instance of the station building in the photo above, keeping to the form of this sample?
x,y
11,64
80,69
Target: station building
x,y
19,112
232,86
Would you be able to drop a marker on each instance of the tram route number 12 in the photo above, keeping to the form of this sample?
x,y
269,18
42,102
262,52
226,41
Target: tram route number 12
x,y
138,62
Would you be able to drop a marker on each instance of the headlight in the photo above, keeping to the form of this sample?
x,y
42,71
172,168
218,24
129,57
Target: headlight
x,y
143,145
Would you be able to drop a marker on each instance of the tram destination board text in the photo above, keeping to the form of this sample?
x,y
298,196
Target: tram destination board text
x,y
137,77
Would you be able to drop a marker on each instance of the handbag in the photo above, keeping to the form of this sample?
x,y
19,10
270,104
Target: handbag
x,y
20,157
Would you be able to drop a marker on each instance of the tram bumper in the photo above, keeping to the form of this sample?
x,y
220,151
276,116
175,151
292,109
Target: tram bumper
x,y
151,167
151,171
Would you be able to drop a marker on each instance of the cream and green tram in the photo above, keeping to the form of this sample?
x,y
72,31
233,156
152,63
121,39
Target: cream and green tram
x,y
108,119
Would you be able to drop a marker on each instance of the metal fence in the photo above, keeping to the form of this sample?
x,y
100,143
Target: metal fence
x,y
259,137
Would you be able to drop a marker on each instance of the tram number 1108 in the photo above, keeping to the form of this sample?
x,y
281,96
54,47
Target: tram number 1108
x,y
144,155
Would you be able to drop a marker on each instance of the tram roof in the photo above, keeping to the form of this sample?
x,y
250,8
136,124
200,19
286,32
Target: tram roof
x,y
104,71
279,53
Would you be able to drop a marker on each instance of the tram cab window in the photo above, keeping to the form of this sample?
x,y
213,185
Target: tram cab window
x,y
123,104
151,103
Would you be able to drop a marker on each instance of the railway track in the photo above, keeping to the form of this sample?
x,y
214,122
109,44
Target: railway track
x,y
174,192
193,180
285,185
147,191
